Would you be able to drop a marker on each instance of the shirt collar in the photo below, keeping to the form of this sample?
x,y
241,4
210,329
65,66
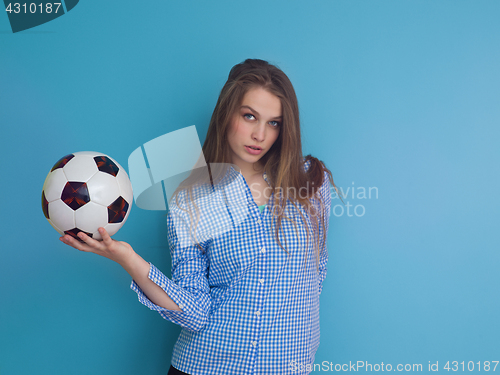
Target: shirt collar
x,y
264,175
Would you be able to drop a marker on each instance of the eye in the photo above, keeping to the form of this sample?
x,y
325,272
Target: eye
x,y
274,124
249,116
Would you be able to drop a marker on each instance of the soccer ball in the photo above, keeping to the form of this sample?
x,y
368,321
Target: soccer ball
x,y
84,191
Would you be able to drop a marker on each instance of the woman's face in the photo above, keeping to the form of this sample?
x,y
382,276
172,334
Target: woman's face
x,y
255,127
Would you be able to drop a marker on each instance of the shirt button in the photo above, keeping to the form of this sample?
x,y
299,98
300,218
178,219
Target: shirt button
x,y
181,306
259,221
254,343
263,250
261,281
257,313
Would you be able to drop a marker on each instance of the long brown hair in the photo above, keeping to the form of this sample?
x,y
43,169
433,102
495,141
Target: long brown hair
x,y
283,163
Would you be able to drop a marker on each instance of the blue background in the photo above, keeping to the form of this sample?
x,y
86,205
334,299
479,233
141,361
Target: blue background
x,y
398,95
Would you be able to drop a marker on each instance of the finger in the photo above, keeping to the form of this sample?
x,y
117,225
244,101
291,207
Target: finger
x,y
73,242
96,245
108,241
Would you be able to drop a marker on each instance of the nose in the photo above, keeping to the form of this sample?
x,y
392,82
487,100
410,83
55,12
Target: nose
x,y
259,132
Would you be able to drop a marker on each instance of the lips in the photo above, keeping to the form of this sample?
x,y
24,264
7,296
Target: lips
x,y
253,150
254,147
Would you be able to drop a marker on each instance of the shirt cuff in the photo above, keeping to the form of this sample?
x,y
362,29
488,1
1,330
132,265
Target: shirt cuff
x,y
188,317
166,284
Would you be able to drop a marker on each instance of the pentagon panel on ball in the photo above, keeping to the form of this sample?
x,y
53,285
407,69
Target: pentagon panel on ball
x,y
84,191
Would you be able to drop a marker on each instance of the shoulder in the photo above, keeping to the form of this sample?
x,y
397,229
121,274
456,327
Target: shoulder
x,y
315,168
189,197
307,163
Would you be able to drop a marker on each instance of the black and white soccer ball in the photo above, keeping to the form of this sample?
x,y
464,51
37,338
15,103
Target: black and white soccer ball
x,y
84,191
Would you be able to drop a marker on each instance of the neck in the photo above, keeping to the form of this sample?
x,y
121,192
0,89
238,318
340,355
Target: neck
x,y
250,170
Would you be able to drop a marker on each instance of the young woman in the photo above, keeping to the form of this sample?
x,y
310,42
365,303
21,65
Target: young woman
x,y
248,257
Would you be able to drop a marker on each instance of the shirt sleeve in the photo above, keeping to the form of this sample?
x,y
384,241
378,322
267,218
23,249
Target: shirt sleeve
x,y
326,198
189,287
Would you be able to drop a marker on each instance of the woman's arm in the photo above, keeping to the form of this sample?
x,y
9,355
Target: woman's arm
x,y
326,199
123,254
185,298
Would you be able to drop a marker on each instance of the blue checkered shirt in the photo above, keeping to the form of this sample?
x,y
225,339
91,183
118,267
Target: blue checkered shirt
x,y
248,307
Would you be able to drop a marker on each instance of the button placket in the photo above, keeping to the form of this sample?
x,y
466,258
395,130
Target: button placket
x,y
261,291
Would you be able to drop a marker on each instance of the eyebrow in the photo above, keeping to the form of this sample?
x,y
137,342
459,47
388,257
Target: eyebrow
x,y
257,113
